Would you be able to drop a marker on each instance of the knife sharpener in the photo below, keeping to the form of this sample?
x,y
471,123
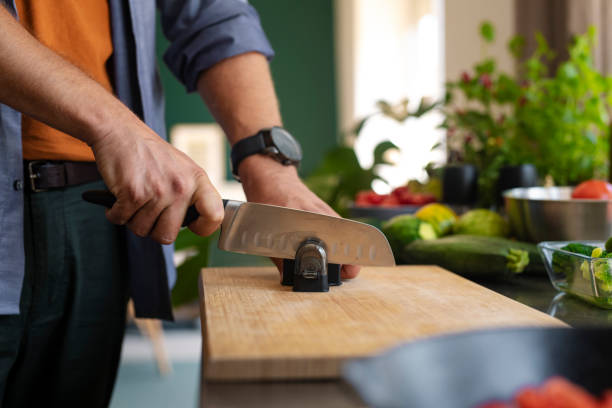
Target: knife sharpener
x,y
309,271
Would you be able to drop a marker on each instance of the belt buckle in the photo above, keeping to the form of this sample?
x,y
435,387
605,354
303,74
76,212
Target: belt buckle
x,y
34,175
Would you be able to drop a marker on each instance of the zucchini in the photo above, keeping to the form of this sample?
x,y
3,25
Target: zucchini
x,y
475,256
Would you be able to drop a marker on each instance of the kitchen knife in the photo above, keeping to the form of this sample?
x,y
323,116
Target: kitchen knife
x,y
277,232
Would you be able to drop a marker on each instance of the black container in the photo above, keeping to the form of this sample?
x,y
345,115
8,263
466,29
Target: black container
x,y
459,184
523,175
469,369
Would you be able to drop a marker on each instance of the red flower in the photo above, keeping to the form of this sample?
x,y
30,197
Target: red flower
x,y
465,77
485,80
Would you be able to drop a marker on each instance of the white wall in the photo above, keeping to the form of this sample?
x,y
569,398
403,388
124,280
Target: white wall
x,y
463,46
380,56
391,50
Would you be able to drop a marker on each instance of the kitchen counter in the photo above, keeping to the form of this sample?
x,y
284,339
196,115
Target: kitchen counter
x,y
536,292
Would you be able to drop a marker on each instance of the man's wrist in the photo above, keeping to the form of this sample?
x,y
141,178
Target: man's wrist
x,y
102,122
259,167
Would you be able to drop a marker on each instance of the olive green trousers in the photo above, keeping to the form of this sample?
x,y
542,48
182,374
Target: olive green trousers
x,y
63,348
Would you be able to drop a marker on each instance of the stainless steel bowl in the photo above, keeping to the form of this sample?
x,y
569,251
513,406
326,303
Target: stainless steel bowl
x,y
550,214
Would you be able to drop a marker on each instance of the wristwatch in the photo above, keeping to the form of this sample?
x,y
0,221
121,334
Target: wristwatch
x,y
275,142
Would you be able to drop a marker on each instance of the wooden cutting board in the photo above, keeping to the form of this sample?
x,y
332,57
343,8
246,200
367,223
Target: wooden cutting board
x,y
254,328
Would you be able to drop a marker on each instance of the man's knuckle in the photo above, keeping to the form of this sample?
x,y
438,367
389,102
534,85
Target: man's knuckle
x,y
135,195
139,231
157,190
200,177
119,215
179,186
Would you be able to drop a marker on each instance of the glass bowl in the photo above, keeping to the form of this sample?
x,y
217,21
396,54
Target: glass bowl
x,y
580,275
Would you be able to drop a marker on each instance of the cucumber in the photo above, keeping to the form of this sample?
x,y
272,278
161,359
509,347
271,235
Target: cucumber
x,y
475,256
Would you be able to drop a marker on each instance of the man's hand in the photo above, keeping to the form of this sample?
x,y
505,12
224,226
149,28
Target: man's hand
x,y
267,181
154,183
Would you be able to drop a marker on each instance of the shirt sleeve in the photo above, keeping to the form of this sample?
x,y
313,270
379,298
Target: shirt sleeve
x,y
204,32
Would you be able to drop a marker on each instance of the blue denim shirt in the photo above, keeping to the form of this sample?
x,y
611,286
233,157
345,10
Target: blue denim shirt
x,y
201,33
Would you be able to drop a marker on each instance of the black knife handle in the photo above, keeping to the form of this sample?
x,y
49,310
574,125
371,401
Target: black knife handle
x,y
107,199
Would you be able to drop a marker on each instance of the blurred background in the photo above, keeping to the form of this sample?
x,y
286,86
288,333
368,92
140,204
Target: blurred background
x,y
363,85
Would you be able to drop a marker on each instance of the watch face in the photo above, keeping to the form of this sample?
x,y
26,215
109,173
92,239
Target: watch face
x,y
286,144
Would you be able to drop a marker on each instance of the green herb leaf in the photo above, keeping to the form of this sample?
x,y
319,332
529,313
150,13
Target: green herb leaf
x,y
487,32
380,150
517,46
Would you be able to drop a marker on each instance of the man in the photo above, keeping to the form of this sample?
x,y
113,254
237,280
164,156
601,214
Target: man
x,y
62,304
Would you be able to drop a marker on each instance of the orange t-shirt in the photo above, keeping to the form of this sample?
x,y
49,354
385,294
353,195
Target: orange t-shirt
x,y
78,30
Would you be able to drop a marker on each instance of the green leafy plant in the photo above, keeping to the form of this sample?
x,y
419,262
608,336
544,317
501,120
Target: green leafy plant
x,y
399,112
562,121
339,176
558,122
196,248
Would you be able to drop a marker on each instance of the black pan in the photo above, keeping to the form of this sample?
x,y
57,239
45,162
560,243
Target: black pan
x,y
469,369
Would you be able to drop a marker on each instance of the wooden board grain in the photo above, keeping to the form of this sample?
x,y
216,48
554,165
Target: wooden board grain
x,y
254,328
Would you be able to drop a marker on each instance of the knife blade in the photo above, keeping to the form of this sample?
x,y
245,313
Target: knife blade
x,y
273,231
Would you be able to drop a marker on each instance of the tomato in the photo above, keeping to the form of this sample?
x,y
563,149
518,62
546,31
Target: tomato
x,y
593,189
423,198
496,404
568,395
361,200
368,198
557,392
403,195
606,401
390,200
531,398
399,196
407,197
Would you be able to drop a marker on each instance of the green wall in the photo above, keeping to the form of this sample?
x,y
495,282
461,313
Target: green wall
x,y
301,33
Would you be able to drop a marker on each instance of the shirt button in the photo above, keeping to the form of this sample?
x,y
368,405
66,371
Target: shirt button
x,y
18,185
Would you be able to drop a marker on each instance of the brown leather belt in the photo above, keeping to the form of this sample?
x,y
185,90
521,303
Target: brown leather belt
x,y
45,175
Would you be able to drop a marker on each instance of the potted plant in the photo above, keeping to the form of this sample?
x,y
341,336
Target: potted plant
x,y
339,176
559,122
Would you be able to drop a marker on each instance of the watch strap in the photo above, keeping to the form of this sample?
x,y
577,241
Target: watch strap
x,y
245,148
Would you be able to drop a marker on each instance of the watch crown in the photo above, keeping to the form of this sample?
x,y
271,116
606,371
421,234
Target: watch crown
x,y
271,150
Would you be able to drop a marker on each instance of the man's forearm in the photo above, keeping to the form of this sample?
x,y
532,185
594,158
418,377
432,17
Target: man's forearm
x,y
41,84
240,94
